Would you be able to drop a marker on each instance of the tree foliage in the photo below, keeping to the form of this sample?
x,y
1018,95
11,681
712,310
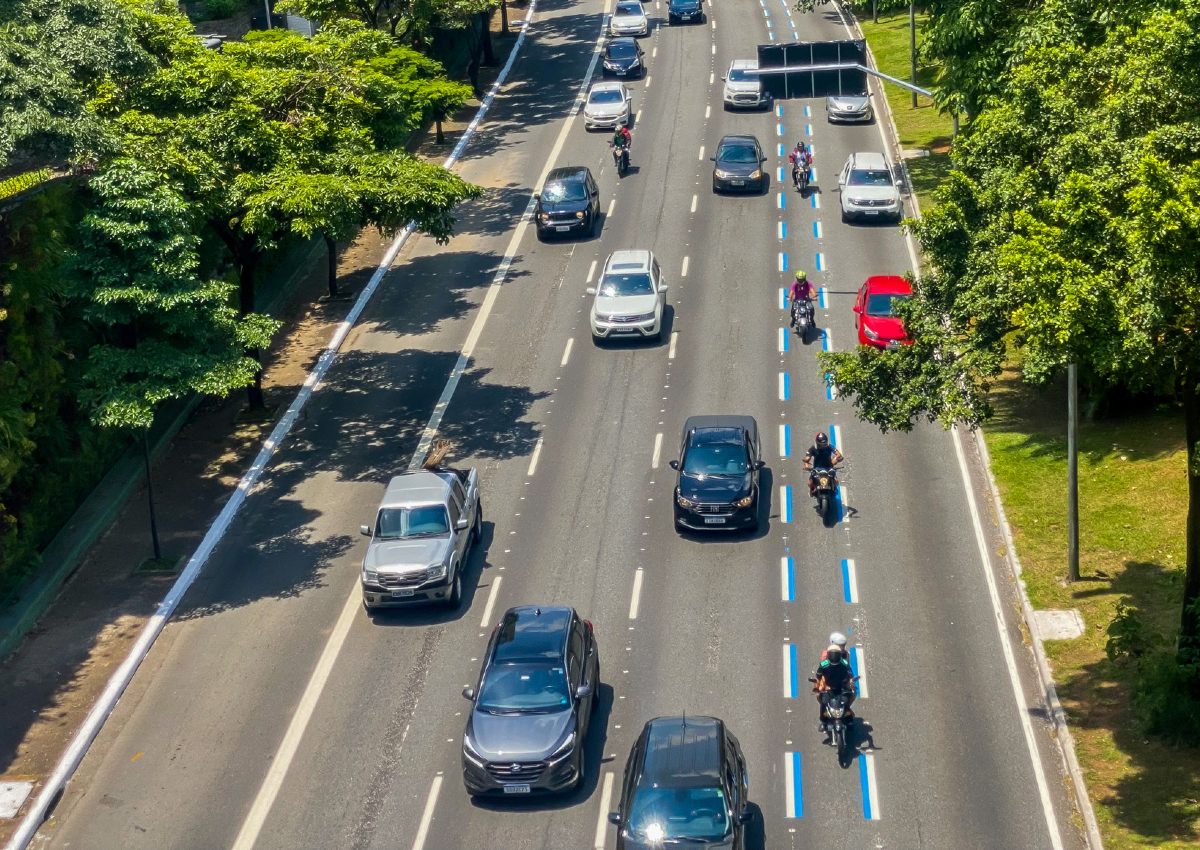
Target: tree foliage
x,y
1070,230
411,21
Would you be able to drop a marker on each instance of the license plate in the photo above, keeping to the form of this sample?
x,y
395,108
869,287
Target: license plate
x,y
562,228
516,789
402,594
872,212
714,520
738,182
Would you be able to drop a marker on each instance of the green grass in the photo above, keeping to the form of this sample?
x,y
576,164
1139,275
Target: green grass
x,y
1133,503
924,126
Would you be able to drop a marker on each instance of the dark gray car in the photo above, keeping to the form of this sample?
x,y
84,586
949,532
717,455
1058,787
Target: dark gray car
x,y
536,693
738,165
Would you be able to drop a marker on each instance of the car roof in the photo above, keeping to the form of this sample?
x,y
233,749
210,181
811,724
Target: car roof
x,y
682,751
608,86
738,138
888,284
420,487
625,4
744,64
623,40
869,159
628,260
567,172
726,423
532,633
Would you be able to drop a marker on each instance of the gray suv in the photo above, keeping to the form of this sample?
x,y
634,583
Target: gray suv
x,y
422,535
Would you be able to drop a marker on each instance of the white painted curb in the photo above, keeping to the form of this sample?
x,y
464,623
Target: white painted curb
x,y
55,785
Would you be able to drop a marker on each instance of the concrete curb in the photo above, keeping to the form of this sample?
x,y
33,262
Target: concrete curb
x,y
1066,743
101,507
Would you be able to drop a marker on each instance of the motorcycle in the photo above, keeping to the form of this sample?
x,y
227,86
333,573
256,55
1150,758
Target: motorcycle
x,y
825,486
836,719
802,317
800,178
620,159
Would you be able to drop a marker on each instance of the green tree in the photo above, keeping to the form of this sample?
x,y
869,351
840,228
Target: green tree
x,y
1069,231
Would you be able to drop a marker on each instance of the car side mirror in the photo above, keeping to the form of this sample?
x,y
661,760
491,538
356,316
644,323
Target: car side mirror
x,y
591,290
662,287
724,79
712,159
674,464
745,816
537,196
761,160
857,309
614,818
462,524
760,464
583,692
364,530
469,693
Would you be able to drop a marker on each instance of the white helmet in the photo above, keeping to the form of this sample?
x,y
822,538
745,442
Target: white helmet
x,y
838,639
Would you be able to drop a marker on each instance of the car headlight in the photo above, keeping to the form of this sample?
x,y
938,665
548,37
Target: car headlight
x,y
370,576
723,175
684,502
744,502
436,571
470,754
564,748
579,215
756,175
545,216
612,66
869,334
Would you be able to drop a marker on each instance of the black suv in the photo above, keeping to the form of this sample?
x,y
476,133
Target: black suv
x,y
685,10
569,203
536,693
685,783
719,462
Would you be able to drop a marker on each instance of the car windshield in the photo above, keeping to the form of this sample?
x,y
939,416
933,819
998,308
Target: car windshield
x,y
620,285
874,177
511,688
716,459
661,814
629,9
564,191
884,305
740,75
405,523
605,96
621,50
737,153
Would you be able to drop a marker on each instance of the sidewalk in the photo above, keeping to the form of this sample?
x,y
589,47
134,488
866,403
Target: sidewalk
x,y
51,681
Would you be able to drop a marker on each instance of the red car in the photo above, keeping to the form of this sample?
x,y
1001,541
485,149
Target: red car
x,y
875,314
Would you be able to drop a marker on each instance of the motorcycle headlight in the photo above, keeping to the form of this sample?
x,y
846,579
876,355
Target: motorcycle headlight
x,y
436,571
564,748
869,334
744,502
684,502
756,175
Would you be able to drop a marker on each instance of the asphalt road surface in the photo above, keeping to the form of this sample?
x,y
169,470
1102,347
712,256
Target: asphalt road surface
x,y
274,713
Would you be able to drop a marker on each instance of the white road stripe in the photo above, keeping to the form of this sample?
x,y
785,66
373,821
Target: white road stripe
x,y
493,592
708,111
671,347
427,815
783,332
872,785
533,461
683,270
783,440
860,661
648,79
602,821
654,51
711,77
637,594
611,206
567,352
591,272
695,198
657,456
701,155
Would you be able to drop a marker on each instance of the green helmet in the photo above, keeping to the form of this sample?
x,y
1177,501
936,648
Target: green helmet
x,y
801,274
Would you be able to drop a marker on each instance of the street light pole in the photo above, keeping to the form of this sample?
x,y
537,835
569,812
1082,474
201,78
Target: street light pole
x,y
267,9
912,45
1072,472
150,494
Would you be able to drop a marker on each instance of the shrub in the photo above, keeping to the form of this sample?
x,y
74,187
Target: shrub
x,y
216,9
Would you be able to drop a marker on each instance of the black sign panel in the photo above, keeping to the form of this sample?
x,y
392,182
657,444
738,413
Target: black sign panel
x,y
813,83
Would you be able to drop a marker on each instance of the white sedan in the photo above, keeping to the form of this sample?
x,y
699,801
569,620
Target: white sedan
x,y
608,105
629,18
631,297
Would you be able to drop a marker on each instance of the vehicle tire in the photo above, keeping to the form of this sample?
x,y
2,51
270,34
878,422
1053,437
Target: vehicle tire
x,y
823,505
477,528
455,597
845,218
371,610
716,191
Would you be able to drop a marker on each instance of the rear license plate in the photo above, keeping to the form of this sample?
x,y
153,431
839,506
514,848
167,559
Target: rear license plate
x,y
872,212
402,594
562,228
516,789
714,520
737,182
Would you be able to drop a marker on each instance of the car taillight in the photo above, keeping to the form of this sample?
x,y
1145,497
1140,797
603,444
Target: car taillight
x,y
588,623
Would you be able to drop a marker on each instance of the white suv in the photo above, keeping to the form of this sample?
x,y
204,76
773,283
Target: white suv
x,y
742,86
630,298
867,188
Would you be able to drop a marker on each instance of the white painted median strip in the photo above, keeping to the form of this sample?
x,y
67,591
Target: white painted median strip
x,y
792,791
637,594
533,461
870,788
654,459
493,592
427,814
103,707
785,503
785,440
567,352
791,672
849,582
602,821
787,579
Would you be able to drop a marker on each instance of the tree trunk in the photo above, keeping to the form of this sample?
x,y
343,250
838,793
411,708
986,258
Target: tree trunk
x,y
489,55
1189,626
331,257
439,136
247,266
504,16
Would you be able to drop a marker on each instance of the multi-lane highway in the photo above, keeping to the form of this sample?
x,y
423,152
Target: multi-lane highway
x,y
273,713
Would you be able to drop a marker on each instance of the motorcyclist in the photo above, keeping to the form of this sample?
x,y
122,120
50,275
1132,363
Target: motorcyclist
x,y
833,676
622,140
801,295
820,455
801,159
837,640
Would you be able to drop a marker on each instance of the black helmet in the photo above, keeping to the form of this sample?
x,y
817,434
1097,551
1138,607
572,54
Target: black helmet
x,y
822,440
833,655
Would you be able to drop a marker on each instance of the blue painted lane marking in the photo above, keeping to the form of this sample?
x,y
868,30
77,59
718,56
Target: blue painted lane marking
x,y
783,293
807,112
779,176
784,386
771,33
785,440
823,297
858,663
783,339
787,579
870,789
829,391
791,672
779,129
794,802
783,230
816,205
812,175
785,503
782,152
808,129
779,110
826,343
820,262
816,230
835,436
849,582
782,200
840,502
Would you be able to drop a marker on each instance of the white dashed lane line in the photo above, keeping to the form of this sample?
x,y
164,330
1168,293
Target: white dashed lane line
x,y
567,352
657,456
671,347
637,594
591,272
684,269
700,156
427,815
602,820
695,199
533,461
493,592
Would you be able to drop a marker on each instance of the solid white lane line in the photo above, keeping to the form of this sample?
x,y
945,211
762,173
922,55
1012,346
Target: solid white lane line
x,y
637,594
591,272
1010,661
657,456
567,352
611,206
533,461
671,347
605,802
427,815
273,781
695,198
701,154
493,592
684,268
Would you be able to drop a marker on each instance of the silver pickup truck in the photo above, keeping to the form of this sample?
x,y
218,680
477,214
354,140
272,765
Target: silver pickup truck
x,y
421,538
